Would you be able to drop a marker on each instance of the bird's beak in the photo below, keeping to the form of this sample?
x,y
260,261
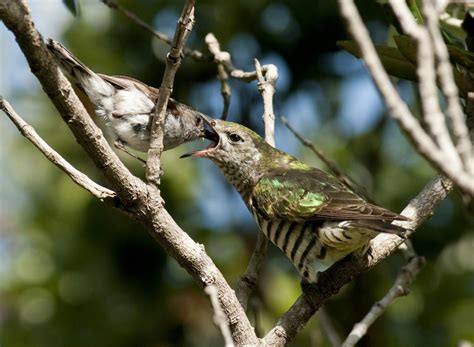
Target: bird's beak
x,y
211,134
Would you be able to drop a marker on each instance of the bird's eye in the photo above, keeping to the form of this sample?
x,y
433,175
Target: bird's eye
x,y
235,138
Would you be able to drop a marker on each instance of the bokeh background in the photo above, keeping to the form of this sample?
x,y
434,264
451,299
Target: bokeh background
x,y
74,272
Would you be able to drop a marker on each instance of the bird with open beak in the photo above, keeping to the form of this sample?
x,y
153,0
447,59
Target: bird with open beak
x,y
307,213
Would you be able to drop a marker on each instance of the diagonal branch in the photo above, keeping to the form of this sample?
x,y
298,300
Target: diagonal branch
x,y
220,318
77,176
138,201
214,47
192,53
344,178
426,72
17,18
400,288
448,87
266,86
397,107
173,61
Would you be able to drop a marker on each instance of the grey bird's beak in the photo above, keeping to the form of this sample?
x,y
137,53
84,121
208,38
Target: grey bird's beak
x,y
210,134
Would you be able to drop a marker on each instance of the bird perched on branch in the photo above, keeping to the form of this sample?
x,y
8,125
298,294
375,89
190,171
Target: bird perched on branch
x,y
310,215
127,105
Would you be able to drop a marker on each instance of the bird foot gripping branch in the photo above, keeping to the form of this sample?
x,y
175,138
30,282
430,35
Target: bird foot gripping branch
x,y
310,215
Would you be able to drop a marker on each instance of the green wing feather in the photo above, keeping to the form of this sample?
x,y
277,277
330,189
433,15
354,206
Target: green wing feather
x,y
305,195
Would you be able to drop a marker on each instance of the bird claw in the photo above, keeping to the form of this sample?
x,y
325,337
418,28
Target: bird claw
x,y
121,146
310,291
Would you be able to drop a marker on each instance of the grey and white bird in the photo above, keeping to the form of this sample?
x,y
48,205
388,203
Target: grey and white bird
x,y
127,105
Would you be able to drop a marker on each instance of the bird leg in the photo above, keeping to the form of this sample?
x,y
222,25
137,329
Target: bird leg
x,y
310,291
121,146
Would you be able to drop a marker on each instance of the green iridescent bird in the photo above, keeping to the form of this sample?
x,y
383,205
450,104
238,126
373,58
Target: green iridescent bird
x,y
309,214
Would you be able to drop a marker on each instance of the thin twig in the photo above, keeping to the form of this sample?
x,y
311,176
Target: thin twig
x,y
400,288
214,47
173,61
77,176
224,58
267,87
344,178
192,53
248,282
220,318
397,107
328,328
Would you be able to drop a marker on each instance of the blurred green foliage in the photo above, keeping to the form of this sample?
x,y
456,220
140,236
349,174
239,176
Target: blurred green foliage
x,y
74,272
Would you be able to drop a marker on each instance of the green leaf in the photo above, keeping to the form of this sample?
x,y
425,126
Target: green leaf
x,y
407,47
413,6
73,6
393,61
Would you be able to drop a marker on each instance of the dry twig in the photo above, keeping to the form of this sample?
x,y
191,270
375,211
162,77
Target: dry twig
x,y
214,47
400,288
441,156
173,61
266,86
344,178
77,176
220,318
192,53
329,328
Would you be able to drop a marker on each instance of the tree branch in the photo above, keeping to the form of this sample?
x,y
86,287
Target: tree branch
x,y
17,18
397,107
214,47
139,202
266,87
448,87
328,328
77,176
400,288
173,61
219,316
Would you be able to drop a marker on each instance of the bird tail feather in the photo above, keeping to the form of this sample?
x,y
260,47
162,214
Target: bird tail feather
x,y
380,226
94,86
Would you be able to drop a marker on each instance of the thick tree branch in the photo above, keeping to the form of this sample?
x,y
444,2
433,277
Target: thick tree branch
x,y
397,107
400,288
345,270
173,61
139,202
77,176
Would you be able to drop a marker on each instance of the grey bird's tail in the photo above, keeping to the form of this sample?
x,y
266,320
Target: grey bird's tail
x,y
90,82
